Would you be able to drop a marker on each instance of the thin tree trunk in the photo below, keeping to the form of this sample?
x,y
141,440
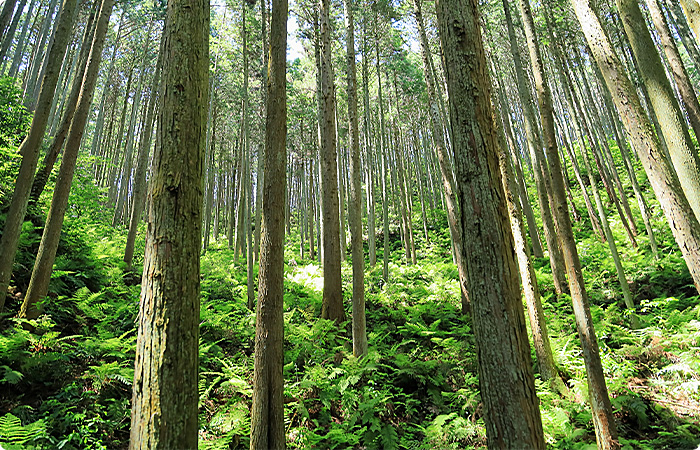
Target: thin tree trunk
x,y
267,412
332,306
603,419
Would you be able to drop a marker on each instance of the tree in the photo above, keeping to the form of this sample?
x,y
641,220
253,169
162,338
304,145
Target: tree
x,y
359,331
663,179
332,307
511,408
267,412
29,149
684,154
165,395
603,419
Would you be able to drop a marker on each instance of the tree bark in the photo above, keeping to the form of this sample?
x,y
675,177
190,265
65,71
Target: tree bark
x,y
332,306
684,155
511,410
165,396
603,419
267,412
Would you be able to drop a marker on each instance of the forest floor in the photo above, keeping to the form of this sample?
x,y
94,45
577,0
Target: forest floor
x,y
67,384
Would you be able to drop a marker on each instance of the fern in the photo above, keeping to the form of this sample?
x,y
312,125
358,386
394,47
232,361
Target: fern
x,y
13,432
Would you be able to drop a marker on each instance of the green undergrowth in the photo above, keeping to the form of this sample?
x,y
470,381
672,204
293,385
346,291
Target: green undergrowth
x,y
67,384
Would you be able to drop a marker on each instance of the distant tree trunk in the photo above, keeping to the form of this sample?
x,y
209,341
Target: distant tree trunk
x,y
511,411
260,172
9,33
371,215
359,332
332,307
41,50
142,161
603,419
30,147
541,171
124,172
267,412
681,219
164,401
684,155
22,41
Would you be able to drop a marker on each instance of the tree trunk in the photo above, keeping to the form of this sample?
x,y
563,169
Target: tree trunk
x,y
603,419
691,8
448,184
684,155
164,411
511,411
359,331
267,412
29,149
142,161
541,172
681,219
52,153
675,63
332,307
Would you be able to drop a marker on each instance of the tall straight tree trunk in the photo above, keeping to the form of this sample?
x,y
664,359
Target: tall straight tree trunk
x,y
9,33
29,149
541,172
663,179
603,419
684,154
124,173
267,412
359,331
511,411
371,213
21,42
164,401
332,307
6,16
448,184
139,193
528,278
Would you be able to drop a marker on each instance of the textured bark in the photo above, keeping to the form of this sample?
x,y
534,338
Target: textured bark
x,y
332,307
267,413
684,155
681,219
165,396
511,410
359,329
29,149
